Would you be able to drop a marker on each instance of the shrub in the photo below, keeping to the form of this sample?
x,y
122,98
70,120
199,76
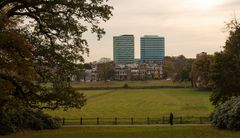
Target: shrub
x,y
34,119
6,127
51,122
227,115
26,118
125,86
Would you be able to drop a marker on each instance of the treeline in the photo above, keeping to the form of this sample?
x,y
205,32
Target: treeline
x,y
221,73
177,68
103,70
182,69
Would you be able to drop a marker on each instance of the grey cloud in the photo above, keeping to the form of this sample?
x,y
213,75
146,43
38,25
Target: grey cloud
x,y
187,30
229,5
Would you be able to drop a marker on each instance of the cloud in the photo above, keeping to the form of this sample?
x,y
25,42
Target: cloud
x,y
232,5
187,30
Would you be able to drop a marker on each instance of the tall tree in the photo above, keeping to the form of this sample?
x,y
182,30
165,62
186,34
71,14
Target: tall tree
x,y
168,68
182,68
201,69
41,42
105,69
178,68
225,70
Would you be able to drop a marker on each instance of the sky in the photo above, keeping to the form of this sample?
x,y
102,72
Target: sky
x,y
189,26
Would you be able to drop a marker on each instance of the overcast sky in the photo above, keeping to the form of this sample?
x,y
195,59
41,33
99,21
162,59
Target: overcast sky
x,y
189,26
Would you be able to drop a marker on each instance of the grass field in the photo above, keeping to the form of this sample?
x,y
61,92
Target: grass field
x,y
141,103
120,84
131,132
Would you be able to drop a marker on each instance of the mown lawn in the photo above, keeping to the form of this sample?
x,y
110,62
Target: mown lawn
x,y
120,84
131,132
141,103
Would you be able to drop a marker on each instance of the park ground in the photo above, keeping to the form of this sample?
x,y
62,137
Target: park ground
x,y
141,103
137,103
130,132
131,84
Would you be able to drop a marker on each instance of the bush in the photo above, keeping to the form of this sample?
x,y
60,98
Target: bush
x,y
20,119
125,86
25,119
6,127
36,120
227,115
51,122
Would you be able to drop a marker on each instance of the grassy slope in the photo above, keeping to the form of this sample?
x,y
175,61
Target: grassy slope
x,y
142,103
130,84
131,132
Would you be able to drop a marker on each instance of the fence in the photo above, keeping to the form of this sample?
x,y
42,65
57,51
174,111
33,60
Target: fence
x,y
135,121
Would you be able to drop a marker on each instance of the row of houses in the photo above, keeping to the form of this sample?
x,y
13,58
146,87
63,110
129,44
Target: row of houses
x,y
137,71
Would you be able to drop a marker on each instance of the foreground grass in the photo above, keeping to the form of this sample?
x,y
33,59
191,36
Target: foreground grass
x,y
120,84
141,103
131,132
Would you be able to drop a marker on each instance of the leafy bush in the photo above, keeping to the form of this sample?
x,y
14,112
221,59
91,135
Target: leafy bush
x,y
227,115
125,86
26,119
36,120
6,127
51,122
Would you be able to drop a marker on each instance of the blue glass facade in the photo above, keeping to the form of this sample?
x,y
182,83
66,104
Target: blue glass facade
x,y
152,48
123,49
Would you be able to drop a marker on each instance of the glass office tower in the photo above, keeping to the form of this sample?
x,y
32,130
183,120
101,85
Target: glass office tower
x,y
123,49
152,49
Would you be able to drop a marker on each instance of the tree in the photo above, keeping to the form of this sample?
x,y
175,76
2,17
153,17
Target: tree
x,y
200,70
168,68
182,68
177,68
87,66
105,69
41,43
225,69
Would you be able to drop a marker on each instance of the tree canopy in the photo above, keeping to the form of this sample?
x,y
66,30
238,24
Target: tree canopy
x,y
177,68
41,45
225,69
105,69
200,70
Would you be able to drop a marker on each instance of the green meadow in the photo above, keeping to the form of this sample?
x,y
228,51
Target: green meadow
x,y
141,103
120,84
130,132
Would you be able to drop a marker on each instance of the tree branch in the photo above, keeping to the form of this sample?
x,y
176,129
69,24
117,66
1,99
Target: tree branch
x,y
3,3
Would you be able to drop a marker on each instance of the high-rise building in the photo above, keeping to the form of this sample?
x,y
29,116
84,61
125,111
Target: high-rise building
x,y
152,48
123,49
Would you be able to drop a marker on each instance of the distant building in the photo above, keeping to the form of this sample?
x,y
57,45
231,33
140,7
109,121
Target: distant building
x,y
123,49
121,72
137,72
137,60
152,49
